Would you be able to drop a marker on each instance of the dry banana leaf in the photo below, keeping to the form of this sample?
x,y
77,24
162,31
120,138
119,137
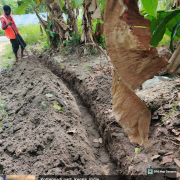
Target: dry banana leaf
x,y
127,35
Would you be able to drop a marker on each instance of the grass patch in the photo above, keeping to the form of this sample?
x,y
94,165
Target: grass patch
x,y
2,33
7,57
32,34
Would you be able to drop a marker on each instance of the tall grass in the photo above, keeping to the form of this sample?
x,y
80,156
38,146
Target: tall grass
x,y
32,34
2,33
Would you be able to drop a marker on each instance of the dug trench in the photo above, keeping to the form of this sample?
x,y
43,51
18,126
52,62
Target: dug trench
x,y
36,138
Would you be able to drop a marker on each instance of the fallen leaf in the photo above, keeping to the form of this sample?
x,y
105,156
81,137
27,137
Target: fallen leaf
x,y
155,157
166,159
65,103
171,156
158,124
71,131
67,96
49,95
177,161
168,153
155,117
142,157
96,140
176,132
57,107
178,138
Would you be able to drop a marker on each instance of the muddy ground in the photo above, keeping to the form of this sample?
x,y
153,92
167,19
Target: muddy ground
x,y
84,138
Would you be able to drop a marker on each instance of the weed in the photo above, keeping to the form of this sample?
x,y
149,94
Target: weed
x,y
89,68
175,106
171,112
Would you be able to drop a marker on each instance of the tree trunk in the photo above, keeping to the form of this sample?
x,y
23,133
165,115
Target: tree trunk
x,y
87,32
72,18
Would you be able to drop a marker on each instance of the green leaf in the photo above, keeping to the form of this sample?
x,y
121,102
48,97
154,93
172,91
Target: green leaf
x,y
102,4
49,24
171,47
49,95
161,28
150,6
57,107
77,3
61,2
137,150
43,105
22,8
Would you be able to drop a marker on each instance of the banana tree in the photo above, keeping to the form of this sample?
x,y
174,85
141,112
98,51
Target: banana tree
x,y
24,4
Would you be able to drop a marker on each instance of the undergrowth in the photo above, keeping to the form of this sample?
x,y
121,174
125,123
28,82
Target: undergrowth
x,y
32,34
2,33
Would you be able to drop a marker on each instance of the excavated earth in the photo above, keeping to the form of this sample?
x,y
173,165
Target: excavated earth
x,y
36,138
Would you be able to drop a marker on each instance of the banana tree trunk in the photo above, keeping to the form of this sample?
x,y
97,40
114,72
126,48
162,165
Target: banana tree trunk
x,y
72,17
87,32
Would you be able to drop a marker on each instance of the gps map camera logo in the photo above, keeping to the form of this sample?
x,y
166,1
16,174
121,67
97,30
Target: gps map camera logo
x,y
150,171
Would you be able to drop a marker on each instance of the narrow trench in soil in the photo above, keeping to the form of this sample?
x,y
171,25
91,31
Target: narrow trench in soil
x,y
98,149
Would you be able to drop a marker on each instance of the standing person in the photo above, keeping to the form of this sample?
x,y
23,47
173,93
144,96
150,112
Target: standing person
x,y
11,31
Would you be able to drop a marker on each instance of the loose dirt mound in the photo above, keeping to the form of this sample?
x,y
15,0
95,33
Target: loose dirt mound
x,y
94,89
36,138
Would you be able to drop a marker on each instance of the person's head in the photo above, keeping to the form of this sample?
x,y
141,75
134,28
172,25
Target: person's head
x,y
7,10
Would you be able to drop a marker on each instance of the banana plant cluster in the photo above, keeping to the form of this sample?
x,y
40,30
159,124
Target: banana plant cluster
x,y
56,28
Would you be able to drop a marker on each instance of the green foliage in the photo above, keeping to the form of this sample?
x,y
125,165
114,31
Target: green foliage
x,y
22,8
166,20
2,33
102,4
28,6
43,105
173,35
150,6
77,3
31,34
165,41
12,3
57,107
49,95
7,57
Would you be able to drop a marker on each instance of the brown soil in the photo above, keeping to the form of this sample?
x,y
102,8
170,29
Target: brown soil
x,y
94,89
36,140
46,141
